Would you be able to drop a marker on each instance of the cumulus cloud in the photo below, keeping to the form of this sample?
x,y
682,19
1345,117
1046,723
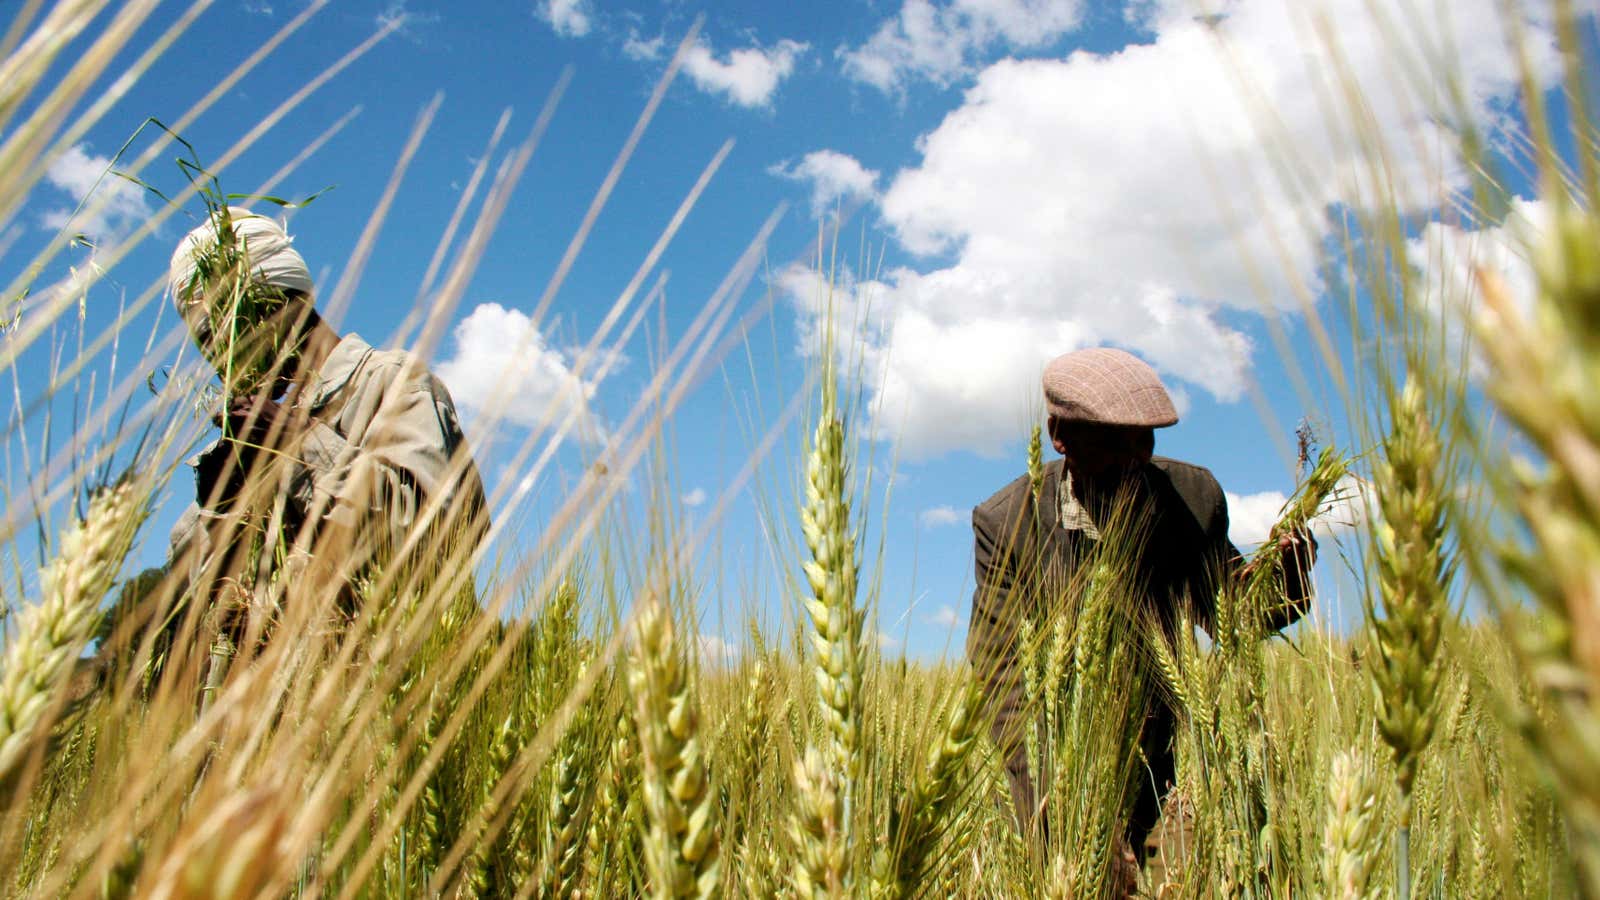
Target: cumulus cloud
x,y
941,42
746,77
568,18
1447,258
715,650
116,207
1132,199
1251,516
1346,508
638,48
945,616
694,498
940,516
502,364
833,176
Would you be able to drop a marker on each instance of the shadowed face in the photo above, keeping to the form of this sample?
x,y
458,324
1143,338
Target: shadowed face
x,y
1094,451
251,353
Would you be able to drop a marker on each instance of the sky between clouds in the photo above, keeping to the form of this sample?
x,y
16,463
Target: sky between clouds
x,y
1125,198
1069,199
1033,177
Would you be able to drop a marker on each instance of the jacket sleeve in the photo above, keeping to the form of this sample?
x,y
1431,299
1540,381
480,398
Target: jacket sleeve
x,y
998,607
1295,571
368,489
1294,599
1222,558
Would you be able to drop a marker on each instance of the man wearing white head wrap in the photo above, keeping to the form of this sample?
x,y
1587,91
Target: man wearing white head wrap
x,y
348,452
271,252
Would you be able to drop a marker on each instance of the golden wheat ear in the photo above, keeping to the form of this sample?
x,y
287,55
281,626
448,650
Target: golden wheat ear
x,y
51,634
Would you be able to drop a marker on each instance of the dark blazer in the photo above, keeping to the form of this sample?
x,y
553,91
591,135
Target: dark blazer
x,y
1025,563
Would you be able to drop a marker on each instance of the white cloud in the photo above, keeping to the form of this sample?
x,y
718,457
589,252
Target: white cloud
x,y
568,18
121,203
1446,258
945,616
694,498
887,641
833,177
501,363
716,651
1251,516
637,48
939,516
746,77
1133,199
403,20
1346,508
940,42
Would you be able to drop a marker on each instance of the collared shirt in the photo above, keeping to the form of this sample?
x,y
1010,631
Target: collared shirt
x,y
1073,515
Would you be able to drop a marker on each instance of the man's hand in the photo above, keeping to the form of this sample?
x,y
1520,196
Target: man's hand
x,y
1297,550
252,425
255,420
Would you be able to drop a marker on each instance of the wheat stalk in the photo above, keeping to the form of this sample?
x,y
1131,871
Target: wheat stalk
x,y
926,810
1543,365
1414,572
50,635
680,847
1350,840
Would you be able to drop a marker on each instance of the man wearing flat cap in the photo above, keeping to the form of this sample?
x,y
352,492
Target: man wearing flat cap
x,y
346,454
1103,406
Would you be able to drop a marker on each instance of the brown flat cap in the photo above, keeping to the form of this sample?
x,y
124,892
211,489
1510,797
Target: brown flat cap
x,y
1108,387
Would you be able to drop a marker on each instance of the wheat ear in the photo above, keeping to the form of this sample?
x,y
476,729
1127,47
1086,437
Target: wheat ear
x,y
680,837
605,830
926,810
823,795
1350,838
1413,574
831,571
50,635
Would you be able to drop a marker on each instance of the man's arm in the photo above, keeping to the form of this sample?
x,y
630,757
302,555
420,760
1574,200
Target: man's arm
x,y
999,604
1296,551
367,491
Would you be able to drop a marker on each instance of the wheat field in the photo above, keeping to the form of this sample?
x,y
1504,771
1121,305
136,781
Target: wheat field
x,y
456,723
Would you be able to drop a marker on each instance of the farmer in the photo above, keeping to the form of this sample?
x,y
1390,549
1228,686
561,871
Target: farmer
x,y
1103,406
334,457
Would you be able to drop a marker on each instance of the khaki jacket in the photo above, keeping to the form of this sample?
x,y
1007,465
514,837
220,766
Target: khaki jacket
x,y
382,441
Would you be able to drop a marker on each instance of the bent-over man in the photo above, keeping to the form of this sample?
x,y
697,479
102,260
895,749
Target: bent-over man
x,y
337,461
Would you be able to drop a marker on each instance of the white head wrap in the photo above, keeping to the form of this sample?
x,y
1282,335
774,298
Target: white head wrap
x,y
268,247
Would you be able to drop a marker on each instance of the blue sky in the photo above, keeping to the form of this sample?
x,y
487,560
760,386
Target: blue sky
x,y
1026,177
